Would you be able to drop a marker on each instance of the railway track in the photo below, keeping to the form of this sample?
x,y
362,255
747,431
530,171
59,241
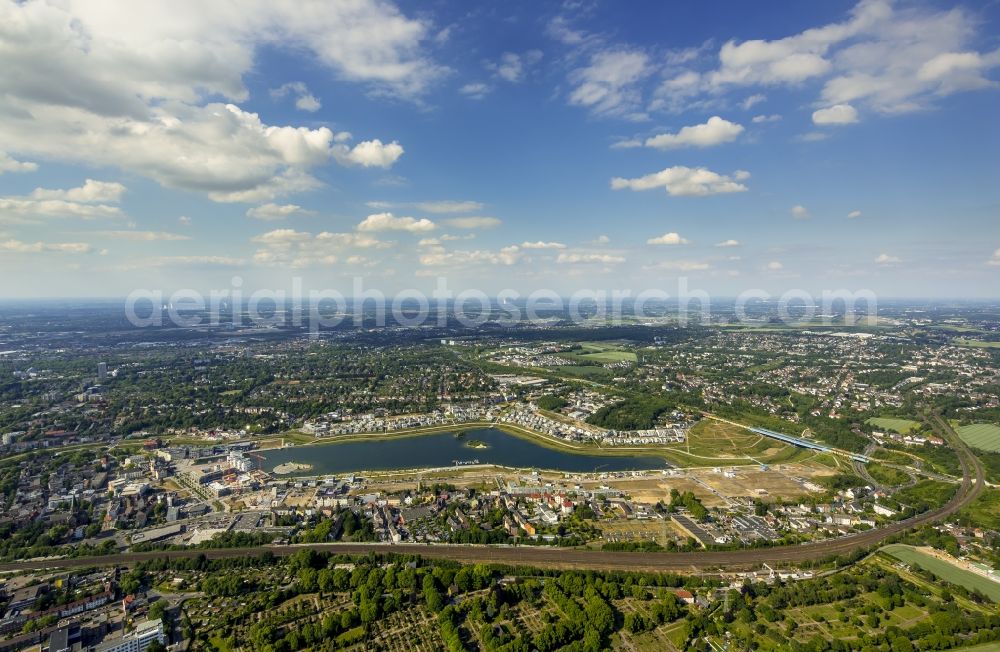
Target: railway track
x,y
973,482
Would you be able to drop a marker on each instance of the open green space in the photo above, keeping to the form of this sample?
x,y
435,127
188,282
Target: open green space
x,y
901,426
886,475
984,511
944,570
984,436
976,344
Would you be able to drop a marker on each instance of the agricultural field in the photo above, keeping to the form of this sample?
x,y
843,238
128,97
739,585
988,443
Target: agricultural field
x,y
984,436
901,426
710,439
945,570
984,510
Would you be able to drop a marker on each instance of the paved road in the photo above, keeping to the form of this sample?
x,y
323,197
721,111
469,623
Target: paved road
x,y
972,484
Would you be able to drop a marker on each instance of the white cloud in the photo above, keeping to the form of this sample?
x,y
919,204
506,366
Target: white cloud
x,y
601,240
995,260
506,256
758,119
389,222
370,153
184,220
477,222
838,114
90,192
891,59
775,266
800,212
8,164
853,215
16,246
513,67
475,90
714,132
297,249
542,245
304,100
449,206
609,84
680,265
429,242
886,259
588,258
672,238
728,243
138,86
752,101
46,203
144,236
683,181
270,212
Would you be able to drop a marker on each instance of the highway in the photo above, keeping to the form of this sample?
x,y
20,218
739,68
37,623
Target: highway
x,y
973,481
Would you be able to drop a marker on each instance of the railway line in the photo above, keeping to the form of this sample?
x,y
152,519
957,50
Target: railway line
x,y
973,482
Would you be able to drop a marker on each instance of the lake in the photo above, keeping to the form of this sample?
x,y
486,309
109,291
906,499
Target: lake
x,y
443,449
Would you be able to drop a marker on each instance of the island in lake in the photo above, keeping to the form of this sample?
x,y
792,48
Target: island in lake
x,y
292,467
476,443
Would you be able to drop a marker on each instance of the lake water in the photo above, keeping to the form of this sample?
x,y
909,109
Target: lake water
x,y
443,449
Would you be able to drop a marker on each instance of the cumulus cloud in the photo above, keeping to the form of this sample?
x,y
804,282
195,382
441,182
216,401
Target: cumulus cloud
x,y
569,258
389,222
370,153
476,222
775,266
714,132
838,114
886,259
672,238
683,181
853,215
728,243
297,249
85,202
184,220
304,100
759,119
272,212
138,87
628,143
91,191
886,57
9,164
506,256
601,240
609,83
542,245
16,246
800,212
995,260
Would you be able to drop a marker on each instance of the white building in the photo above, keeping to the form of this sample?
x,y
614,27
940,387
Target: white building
x,y
137,640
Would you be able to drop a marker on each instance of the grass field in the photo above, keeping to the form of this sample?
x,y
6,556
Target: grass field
x,y
944,570
600,353
902,426
887,475
984,511
984,436
976,344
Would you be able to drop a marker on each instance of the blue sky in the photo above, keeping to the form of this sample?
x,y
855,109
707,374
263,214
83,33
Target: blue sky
x,y
523,145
